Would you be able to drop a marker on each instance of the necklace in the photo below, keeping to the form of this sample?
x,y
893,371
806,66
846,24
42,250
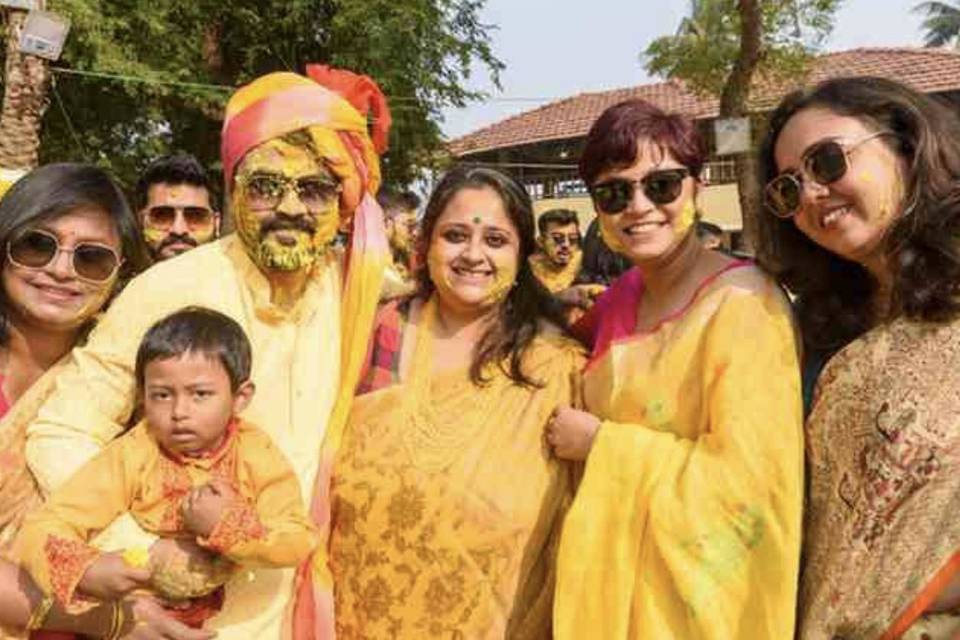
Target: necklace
x,y
444,414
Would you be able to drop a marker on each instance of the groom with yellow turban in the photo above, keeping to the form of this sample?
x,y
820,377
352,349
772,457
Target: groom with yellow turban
x,y
300,165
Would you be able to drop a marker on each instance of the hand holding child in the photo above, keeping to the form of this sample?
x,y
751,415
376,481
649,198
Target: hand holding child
x,y
111,578
204,506
571,432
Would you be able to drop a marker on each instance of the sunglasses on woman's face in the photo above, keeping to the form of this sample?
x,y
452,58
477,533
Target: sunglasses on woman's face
x,y
824,162
165,216
660,187
36,249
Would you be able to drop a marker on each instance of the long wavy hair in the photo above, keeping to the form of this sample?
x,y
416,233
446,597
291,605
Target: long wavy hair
x,y
55,190
922,246
527,304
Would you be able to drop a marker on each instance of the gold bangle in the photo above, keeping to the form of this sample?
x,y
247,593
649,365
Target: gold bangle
x,y
116,623
39,614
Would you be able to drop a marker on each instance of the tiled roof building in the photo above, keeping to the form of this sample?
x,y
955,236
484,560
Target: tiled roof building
x,y
540,147
928,70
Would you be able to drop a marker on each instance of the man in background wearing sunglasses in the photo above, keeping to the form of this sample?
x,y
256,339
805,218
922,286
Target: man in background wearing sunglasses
x,y
557,263
176,211
300,164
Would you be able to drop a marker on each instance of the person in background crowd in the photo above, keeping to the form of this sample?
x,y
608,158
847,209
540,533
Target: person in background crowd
x,y
400,220
601,265
299,162
176,209
686,523
863,192
557,262
710,235
446,505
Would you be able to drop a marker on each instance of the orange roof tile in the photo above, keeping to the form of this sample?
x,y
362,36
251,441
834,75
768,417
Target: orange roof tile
x,y
927,70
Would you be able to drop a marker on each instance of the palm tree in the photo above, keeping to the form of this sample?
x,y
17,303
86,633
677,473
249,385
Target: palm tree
x,y
26,82
942,24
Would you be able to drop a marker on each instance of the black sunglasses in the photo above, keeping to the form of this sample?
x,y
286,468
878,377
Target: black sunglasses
x,y
267,190
824,162
35,249
660,187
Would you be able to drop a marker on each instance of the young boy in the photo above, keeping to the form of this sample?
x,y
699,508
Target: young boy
x,y
190,470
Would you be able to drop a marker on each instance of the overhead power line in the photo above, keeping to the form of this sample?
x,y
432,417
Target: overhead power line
x,y
228,88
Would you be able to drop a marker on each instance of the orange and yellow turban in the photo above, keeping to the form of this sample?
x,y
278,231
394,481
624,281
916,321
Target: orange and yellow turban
x,y
331,106
332,113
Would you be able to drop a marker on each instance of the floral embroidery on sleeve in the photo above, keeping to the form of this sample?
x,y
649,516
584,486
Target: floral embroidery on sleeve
x,y
238,524
67,561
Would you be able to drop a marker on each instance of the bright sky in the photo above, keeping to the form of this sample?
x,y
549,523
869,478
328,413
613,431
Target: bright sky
x,y
557,48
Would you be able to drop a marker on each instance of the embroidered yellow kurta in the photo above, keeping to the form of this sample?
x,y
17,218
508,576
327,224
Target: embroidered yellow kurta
x,y
446,502
555,280
267,527
296,368
687,521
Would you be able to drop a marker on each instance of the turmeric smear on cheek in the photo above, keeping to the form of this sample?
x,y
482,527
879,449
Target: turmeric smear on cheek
x,y
686,219
609,234
153,235
502,282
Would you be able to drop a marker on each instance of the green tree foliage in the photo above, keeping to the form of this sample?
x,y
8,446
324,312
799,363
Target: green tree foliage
x,y
942,23
419,51
706,45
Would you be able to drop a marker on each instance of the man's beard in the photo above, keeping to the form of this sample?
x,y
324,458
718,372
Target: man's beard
x,y
172,239
274,254
560,260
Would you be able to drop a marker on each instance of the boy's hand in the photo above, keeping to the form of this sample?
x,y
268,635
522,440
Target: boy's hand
x,y
110,578
203,507
570,432
145,619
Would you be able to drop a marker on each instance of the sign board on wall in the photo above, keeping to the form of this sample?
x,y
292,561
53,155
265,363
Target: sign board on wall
x,y
43,34
732,136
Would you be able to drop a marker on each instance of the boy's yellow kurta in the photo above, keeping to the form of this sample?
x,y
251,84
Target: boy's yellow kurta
x,y
268,527
446,503
687,521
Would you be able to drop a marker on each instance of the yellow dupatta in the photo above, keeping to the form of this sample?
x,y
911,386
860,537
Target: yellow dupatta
x,y
687,521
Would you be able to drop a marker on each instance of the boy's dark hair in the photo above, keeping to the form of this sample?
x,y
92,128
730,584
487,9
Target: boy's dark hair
x,y
561,217
197,330
177,169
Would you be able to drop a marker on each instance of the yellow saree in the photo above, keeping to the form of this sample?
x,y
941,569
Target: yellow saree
x,y
686,523
446,502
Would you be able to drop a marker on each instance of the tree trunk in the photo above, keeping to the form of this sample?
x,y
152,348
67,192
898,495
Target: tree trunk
x,y
26,82
733,104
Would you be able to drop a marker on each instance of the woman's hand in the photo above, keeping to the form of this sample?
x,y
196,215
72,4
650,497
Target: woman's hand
x,y
184,569
110,578
145,619
580,295
571,432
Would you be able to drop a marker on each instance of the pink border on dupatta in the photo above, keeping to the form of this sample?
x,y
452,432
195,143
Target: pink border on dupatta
x,y
616,310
